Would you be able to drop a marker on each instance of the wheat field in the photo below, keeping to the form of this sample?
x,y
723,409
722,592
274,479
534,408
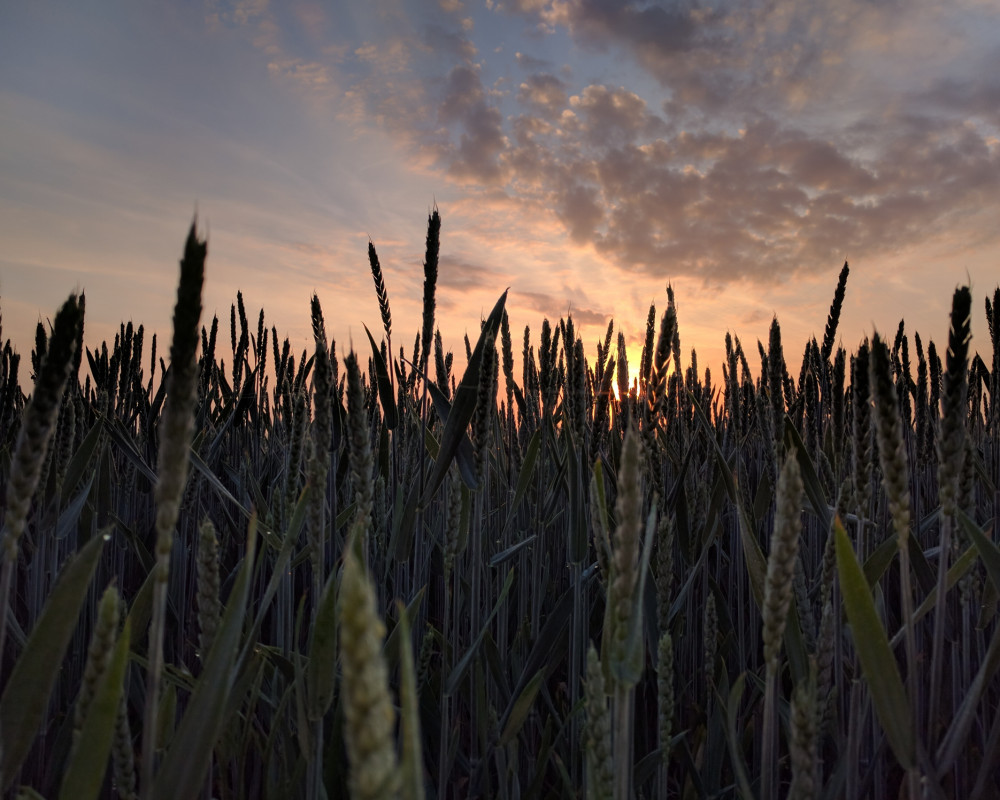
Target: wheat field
x,y
235,571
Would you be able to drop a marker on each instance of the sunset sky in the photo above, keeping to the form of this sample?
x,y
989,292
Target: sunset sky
x,y
584,153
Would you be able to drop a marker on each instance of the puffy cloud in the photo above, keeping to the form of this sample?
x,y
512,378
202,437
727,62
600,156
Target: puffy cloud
x,y
615,115
543,93
731,56
755,140
761,203
580,208
482,138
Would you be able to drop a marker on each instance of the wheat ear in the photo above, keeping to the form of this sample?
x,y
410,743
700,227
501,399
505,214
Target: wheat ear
x,y
369,717
37,426
176,426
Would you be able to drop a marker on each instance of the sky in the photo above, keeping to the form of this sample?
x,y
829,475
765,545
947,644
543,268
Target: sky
x,y
583,153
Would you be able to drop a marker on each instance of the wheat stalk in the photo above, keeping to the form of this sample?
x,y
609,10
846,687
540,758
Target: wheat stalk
x,y
430,283
33,439
209,607
597,735
369,717
951,451
777,600
176,427
381,292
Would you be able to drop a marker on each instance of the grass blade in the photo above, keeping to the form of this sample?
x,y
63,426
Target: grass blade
x,y
456,675
732,736
988,551
509,552
523,479
321,670
411,764
70,515
519,708
464,405
397,636
810,481
85,774
755,561
27,693
82,457
463,456
958,732
877,661
182,772
956,571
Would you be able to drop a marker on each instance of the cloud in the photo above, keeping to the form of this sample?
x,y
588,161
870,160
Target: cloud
x,y
764,140
614,116
460,276
580,208
970,98
531,63
763,203
313,77
733,56
556,307
663,28
482,138
544,94
454,43
238,12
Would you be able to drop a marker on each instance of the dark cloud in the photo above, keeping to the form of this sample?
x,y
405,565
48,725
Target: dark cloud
x,y
464,275
580,209
482,138
449,42
556,308
666,27
464,94
980,99
725,55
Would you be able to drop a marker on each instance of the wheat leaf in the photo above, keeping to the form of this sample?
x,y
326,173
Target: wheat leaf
x,y
878,664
